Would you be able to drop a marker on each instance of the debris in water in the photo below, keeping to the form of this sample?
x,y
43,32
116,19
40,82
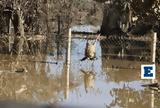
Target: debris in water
x,y
20,70
48,62
153,86
22,89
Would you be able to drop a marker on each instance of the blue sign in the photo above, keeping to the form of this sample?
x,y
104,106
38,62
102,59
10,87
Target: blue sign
x,y
148,71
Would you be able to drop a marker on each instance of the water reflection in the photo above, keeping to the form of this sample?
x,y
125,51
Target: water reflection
x,y
130,98
89,80
36,84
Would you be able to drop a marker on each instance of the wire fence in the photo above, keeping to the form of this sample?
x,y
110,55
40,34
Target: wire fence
x,y
121,51
126,47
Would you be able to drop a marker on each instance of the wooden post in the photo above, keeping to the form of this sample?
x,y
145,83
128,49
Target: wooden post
x,y
10,35
153,51
68,61
154,41
58,36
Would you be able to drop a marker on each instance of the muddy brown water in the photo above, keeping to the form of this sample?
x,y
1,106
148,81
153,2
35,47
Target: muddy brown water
x,y
99,85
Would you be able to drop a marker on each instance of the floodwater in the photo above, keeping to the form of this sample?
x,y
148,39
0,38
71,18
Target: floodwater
x,y
92,83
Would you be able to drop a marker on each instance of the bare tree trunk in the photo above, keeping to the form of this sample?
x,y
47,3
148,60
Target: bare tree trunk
x,y
22,40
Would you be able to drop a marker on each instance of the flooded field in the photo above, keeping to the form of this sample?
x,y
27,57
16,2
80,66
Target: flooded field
x,y
79,53
92,83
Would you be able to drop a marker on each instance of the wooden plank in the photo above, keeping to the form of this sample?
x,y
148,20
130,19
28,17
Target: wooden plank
x,y
92,35
84,33
36,37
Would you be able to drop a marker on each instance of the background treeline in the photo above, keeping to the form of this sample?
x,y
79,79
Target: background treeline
x,y
42,16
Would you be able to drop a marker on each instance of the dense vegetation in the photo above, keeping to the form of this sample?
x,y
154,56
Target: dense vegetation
x,y
54,17
140,13
41,16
